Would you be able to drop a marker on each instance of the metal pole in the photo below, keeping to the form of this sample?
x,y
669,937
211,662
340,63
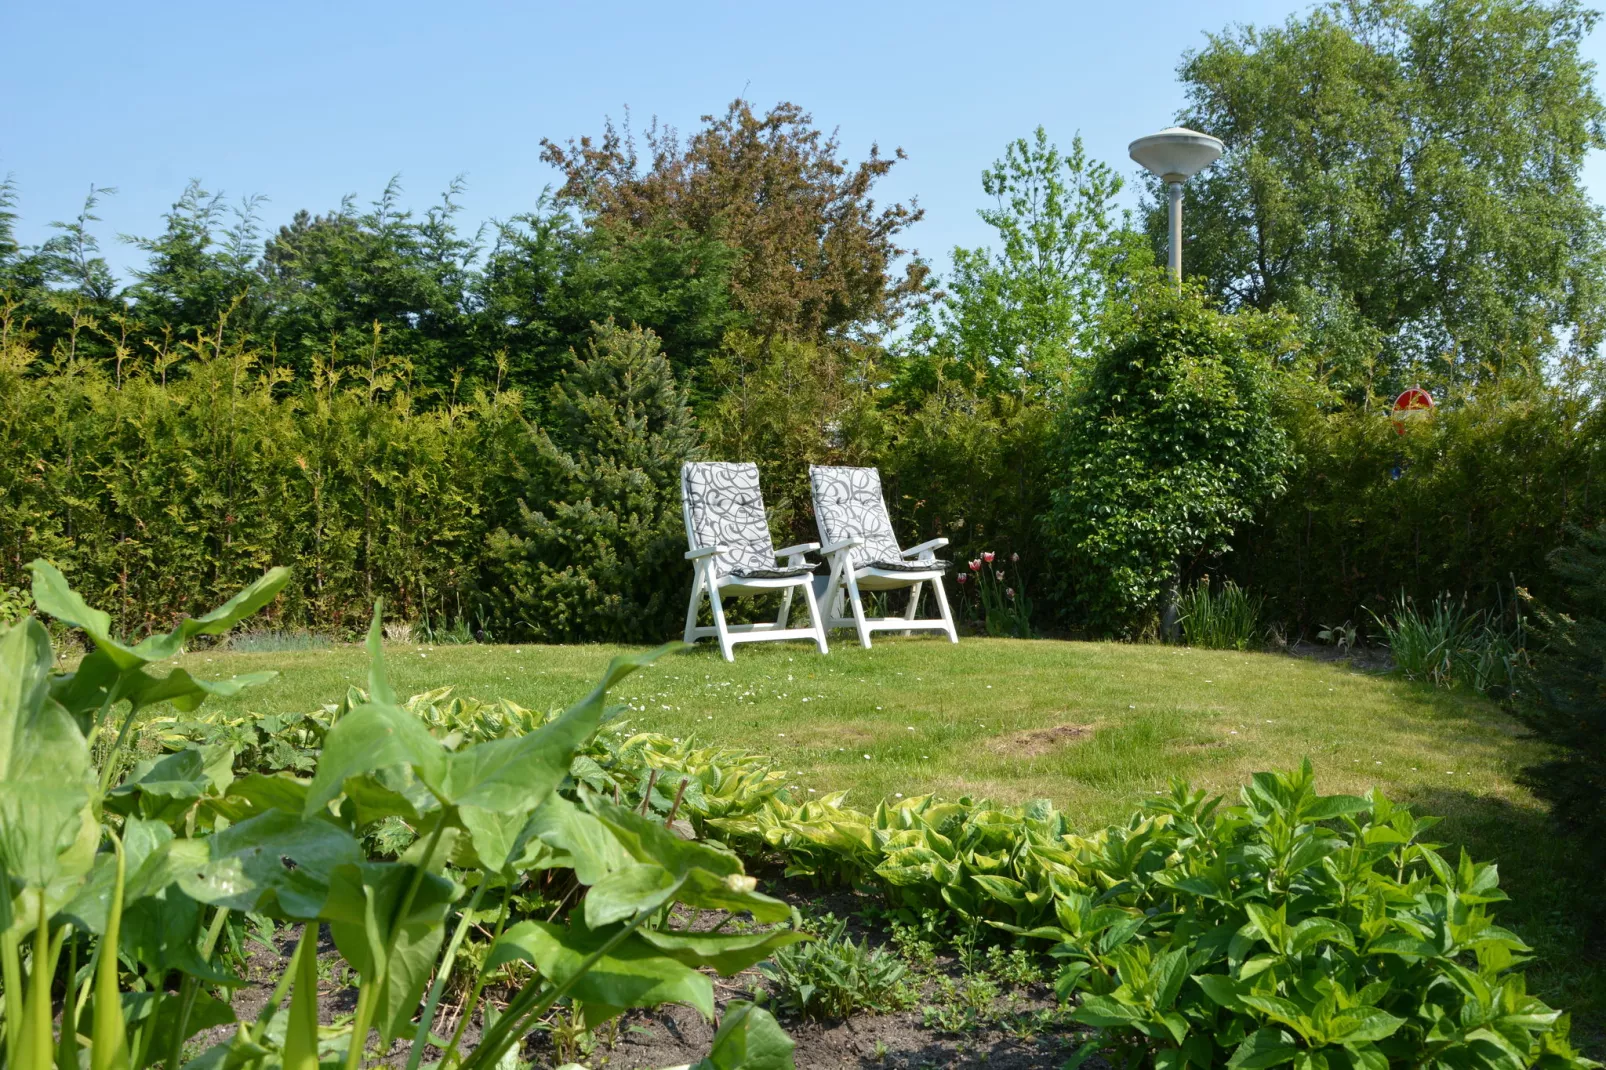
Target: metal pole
x,y
1175,189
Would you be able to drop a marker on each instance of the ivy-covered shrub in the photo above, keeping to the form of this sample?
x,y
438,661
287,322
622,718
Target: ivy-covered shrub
x,y
596,552
1163,449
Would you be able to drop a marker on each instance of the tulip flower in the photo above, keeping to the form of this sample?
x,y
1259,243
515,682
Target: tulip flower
x,y
975,566
1010,591
999,575
987,557
961,578
1015,558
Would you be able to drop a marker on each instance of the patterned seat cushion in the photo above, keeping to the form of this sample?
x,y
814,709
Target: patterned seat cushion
x,y
907,565
782,572
848,505
724,507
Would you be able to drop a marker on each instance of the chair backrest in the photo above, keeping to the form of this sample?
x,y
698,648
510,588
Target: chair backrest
x,y
848,505
723,506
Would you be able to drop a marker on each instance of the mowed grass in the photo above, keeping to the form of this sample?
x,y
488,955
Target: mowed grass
x,y
1094,727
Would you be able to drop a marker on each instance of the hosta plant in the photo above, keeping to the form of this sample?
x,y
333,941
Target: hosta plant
x,y
114,888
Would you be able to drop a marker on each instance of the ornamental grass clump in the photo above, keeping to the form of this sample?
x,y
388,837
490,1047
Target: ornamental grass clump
x,y
1220,618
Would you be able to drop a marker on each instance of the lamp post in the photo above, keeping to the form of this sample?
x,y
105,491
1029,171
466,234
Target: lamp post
x,y
1176,155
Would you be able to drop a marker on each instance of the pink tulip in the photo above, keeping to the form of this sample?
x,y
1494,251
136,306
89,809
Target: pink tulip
x,y
1010,591
987,557
999,576
975,566
961,578
1015,558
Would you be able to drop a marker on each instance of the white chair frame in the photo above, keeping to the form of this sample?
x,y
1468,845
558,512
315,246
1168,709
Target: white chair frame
x,y
707,581
847,584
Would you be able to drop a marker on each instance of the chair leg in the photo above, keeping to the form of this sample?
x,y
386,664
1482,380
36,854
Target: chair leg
x,y
914,603
726,647
814,616
833,587
784,617
858,609
691,608
942,608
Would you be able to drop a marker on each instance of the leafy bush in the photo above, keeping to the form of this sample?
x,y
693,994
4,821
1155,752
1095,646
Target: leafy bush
x,y
596,552
832,977
1167,445
1317,930
1224,618
135,877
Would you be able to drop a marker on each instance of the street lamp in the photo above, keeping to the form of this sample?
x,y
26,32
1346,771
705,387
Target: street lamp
x,y
1176,155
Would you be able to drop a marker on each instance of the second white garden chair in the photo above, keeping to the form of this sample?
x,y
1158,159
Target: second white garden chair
x,y
732,554
865,556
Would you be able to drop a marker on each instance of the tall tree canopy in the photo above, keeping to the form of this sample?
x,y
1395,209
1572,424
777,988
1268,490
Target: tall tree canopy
x,y
1013,317
1411,170
819,261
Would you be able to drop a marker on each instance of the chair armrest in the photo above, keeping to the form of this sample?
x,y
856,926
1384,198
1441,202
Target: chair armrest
x,y
704,551
838,547
926,547
797,555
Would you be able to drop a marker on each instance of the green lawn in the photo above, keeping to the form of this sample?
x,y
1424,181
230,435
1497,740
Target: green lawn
x,y
919,715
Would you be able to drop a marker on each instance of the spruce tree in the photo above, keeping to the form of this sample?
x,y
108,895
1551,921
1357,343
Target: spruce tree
x,y
596,553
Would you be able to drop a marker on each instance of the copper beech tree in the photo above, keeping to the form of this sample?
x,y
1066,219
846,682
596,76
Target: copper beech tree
x,y
819,260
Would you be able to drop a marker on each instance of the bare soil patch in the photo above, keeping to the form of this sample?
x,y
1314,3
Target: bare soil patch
x,y
1036,742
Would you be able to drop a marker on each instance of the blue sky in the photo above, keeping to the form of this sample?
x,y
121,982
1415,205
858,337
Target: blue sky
x,y
305,102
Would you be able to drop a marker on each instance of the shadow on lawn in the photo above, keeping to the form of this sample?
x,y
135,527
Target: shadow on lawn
x,y
1556,905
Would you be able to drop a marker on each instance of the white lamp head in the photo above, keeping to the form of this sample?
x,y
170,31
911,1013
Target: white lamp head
x,y
1176,154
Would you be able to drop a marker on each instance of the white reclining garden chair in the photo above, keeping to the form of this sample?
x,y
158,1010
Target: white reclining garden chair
x,y
865,555
733,554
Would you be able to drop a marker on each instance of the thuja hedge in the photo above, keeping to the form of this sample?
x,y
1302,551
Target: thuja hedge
x,y
160,497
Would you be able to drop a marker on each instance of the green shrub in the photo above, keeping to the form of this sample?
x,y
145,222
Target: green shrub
x,y
1163,449
597,550
1472,499
833,977
1223,618
1294,927
1567,705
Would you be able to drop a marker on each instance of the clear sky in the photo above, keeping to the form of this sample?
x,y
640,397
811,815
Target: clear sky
x,y
305,102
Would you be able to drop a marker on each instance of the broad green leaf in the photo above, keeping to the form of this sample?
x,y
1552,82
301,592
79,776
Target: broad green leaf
x,y
583,841
53,595
370,738
632,974
169,784
301,1032
276,863
1312,931
365,911
727,953
1331,806
1263,1048
749,1038
626,892
1363,1025
45,821
185,692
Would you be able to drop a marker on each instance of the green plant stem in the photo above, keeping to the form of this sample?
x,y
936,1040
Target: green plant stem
x,y
443,973
189,990
110,765
265,1015
11,970
473,1000
531,1003
368,991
